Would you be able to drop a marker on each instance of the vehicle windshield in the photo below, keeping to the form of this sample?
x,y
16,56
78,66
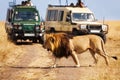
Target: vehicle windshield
x,y
26,15
83,17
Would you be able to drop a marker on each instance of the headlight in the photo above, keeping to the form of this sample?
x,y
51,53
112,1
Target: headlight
x,y
83,26
104,27
20,27
37,27
15,26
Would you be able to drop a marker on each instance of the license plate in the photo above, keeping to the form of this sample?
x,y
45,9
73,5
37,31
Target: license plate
x,y
95,31
29,34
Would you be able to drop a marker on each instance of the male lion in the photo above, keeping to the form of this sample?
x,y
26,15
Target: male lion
x,y
62,45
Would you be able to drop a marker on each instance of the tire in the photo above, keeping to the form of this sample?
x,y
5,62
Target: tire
x,y
52,30
75,32
34,40
103,36
40,41
8,37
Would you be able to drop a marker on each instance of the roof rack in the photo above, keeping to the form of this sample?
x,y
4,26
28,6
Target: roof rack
x,y
64,6
58,5
21,6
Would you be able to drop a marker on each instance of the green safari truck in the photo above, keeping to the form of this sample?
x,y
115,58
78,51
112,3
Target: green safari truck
x,y
23,23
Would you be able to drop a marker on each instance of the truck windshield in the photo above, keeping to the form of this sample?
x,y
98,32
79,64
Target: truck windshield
x,y
26,15
83,17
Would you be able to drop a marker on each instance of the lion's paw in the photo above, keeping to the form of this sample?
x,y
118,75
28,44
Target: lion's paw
x,y
77,66
54,66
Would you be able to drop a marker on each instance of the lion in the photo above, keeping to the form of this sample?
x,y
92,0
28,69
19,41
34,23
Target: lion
x,y
64,45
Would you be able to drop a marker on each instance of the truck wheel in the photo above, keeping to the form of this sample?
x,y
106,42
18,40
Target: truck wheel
x,y
34,40
103,36
13,38
75,32
8,37
40,41
52,30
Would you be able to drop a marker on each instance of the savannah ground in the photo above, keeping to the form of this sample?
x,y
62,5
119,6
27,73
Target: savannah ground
x,y
30,61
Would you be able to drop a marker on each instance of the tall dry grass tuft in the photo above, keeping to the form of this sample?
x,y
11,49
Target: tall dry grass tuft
x,y
114,30
4,43
7,48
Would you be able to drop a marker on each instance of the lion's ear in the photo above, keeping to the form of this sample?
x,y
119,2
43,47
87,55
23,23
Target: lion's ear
x,y
52,39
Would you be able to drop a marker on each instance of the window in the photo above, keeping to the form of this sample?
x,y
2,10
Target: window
x,y
83,17
52,15
60,16
9,15
48,15
25,15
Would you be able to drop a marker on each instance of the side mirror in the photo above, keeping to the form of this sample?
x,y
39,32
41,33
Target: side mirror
x,y
9,20
96,19
11,4
68,19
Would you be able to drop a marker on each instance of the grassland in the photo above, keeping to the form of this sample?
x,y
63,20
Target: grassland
x,y
9,52
7,48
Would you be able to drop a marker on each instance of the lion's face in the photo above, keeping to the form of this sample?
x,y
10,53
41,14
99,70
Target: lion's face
x,y
49,42
58,44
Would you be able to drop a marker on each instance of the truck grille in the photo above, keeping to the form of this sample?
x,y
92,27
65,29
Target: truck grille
x,y
94,27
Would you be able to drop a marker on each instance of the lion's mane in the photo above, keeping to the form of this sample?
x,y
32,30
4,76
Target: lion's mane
x,y
61,45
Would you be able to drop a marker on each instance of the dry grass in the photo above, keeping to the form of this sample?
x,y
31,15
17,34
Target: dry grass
x,y
6,47
16,55
9,52
114,30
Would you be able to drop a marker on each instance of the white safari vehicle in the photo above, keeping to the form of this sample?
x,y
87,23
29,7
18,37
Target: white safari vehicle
x,y
73,20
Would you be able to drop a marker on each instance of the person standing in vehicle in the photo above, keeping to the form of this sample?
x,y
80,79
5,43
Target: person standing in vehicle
x,y
80,4
29,3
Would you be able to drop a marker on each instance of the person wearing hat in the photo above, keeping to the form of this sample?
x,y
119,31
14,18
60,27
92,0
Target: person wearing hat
x,y
80,4
29,3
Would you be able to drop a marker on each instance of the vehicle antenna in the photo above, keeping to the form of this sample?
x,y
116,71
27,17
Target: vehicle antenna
x,y
60,2
67,2
103,20
14,1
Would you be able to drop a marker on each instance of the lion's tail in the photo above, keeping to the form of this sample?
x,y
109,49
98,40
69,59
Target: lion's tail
x,y
114,57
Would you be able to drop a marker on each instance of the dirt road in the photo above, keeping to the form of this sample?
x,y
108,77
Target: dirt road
x,y
98,72
31,62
